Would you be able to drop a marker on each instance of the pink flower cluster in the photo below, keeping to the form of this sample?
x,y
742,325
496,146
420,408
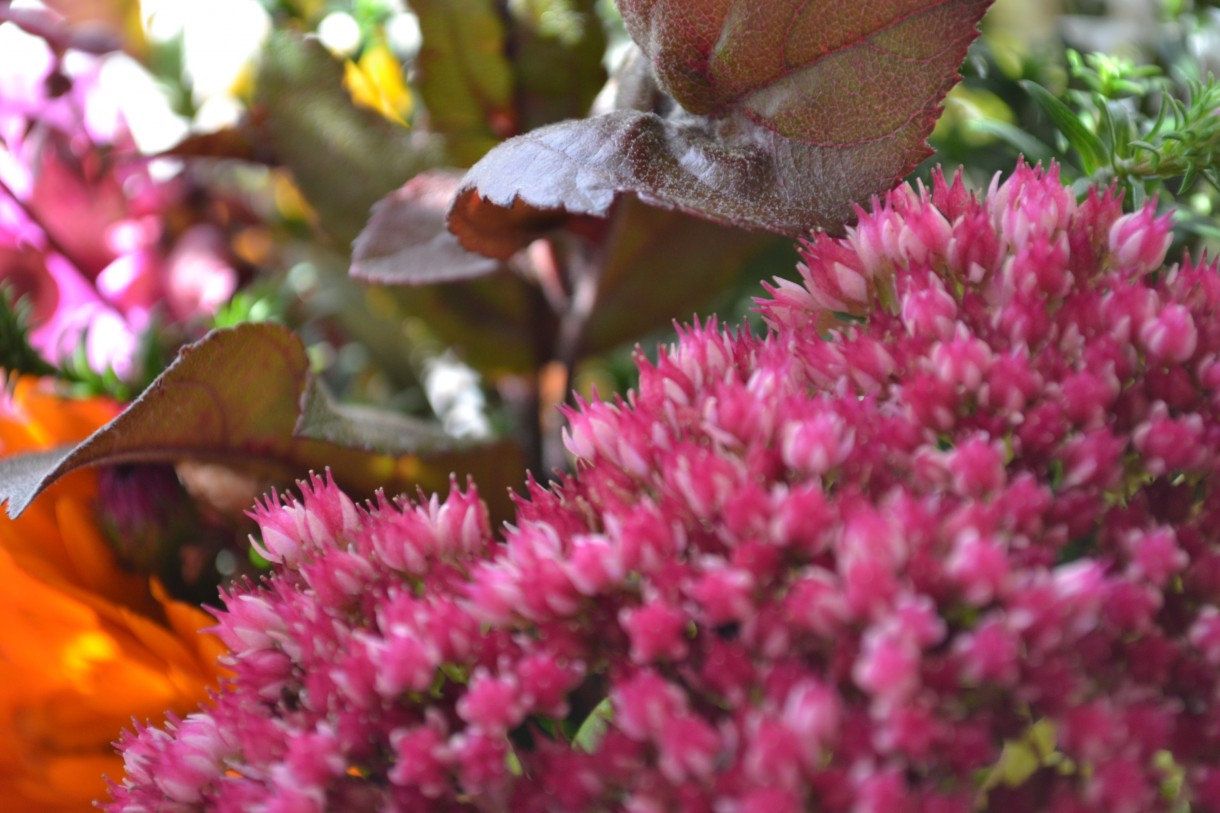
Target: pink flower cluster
x,y
86,229
943,541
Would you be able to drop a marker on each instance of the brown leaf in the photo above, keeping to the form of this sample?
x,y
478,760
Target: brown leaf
x,y
235,398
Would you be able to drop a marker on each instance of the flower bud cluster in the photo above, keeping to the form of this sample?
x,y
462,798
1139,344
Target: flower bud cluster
x,y
957,502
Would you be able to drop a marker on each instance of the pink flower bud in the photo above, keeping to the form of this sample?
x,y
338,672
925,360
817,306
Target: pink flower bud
x,y
724,594
839,279
657,632
1170,338
1138,241
645,704
980,567
818,443
491,703
595,565
1204,635
421,760
1155,555
929,313
1169,444
977,468
688,748
887,668
990,654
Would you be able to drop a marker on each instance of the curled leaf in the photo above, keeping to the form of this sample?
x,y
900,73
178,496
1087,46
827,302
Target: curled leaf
x,y
236,398
529,186
792,111
406,242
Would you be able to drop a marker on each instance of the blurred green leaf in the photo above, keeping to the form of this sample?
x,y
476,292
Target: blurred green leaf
x,y
361,427
17,357
498,323
1027,145
1081,138
344,157
593,729
464,76
558,47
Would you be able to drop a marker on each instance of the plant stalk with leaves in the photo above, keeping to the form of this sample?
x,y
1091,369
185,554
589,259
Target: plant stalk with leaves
x,y
567,237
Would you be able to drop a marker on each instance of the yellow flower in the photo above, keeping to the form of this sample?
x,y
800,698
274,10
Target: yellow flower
x,y
376,82
85,646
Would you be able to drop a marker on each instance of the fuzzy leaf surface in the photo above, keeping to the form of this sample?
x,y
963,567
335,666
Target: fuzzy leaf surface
x,y
235,398
791,111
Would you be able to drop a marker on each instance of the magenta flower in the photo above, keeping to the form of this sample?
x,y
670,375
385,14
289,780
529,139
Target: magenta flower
x,y
954,508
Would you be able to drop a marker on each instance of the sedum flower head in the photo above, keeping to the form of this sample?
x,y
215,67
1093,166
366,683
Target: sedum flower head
x,y
942,540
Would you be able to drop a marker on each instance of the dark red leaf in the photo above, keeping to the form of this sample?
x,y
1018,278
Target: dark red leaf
x,y
830,73
660,266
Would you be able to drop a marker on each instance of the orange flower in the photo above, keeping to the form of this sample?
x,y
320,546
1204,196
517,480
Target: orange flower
x,y
85,645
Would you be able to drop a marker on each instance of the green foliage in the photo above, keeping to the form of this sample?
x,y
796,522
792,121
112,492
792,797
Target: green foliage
x,y
465,77
254,304
343,157
17,357
1110,130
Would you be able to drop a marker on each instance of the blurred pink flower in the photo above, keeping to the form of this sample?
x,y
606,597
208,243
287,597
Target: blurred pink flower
x,y
82,214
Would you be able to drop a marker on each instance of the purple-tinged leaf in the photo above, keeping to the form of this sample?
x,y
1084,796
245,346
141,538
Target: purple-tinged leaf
x,y
406,242
824,72
527,187
794,110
